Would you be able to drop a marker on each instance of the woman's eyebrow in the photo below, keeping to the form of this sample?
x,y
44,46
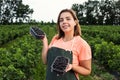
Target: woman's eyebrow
x,y
66,17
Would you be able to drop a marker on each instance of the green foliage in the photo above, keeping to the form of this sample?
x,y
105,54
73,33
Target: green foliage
x,y
11,32
98,12
21,58
11,10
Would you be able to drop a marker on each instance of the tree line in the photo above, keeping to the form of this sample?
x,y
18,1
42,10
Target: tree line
x,y
92,12
95,12
14,11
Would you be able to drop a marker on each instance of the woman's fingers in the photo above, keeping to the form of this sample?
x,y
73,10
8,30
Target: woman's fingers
x,y
69,67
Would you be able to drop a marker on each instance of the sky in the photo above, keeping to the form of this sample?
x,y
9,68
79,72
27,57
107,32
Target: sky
x,y
48,10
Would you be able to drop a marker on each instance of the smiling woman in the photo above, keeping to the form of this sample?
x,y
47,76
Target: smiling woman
x,y
47,10
67,43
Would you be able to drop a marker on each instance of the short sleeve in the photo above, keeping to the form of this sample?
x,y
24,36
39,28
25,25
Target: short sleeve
x,y
53,40
85,52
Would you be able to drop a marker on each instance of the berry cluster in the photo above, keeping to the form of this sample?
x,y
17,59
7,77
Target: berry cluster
x,y
59,65
37,32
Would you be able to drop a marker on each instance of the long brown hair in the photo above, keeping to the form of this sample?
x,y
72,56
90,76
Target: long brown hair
x,y
77,28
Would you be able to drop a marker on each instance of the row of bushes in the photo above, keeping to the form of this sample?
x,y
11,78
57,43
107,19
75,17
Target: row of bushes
x,y
106,53
105,46
106,35
9,33
22,60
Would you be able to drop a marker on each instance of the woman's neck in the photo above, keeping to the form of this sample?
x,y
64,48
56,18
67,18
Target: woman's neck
x,y
68,37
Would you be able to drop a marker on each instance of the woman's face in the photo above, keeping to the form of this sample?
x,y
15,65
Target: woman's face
x,y
66,22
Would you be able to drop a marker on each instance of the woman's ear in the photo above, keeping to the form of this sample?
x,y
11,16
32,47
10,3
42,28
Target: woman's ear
x,y
76,22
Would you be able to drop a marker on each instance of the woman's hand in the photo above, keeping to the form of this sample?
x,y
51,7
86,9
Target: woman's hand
x,y
44,39
69,67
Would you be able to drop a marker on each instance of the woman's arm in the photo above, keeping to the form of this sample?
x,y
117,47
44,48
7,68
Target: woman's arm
x,y
84,68
44,50
46,46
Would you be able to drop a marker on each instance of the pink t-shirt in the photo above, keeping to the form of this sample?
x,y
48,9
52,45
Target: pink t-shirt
x,y
80,48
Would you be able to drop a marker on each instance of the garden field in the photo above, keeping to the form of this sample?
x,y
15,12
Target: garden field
x,y
20,53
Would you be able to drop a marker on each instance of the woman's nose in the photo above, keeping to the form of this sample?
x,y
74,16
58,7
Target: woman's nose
x,y
64,21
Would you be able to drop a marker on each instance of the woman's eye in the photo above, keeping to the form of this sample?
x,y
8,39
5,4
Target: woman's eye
x,y
68,19
61,20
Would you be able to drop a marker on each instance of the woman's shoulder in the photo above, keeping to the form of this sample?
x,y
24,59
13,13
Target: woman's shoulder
x,y
79,38
55,37
80,41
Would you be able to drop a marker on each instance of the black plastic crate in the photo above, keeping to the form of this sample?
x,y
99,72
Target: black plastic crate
x,y
37,32
59,65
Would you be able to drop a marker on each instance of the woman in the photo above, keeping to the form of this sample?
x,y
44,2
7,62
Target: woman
x,y
69,43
